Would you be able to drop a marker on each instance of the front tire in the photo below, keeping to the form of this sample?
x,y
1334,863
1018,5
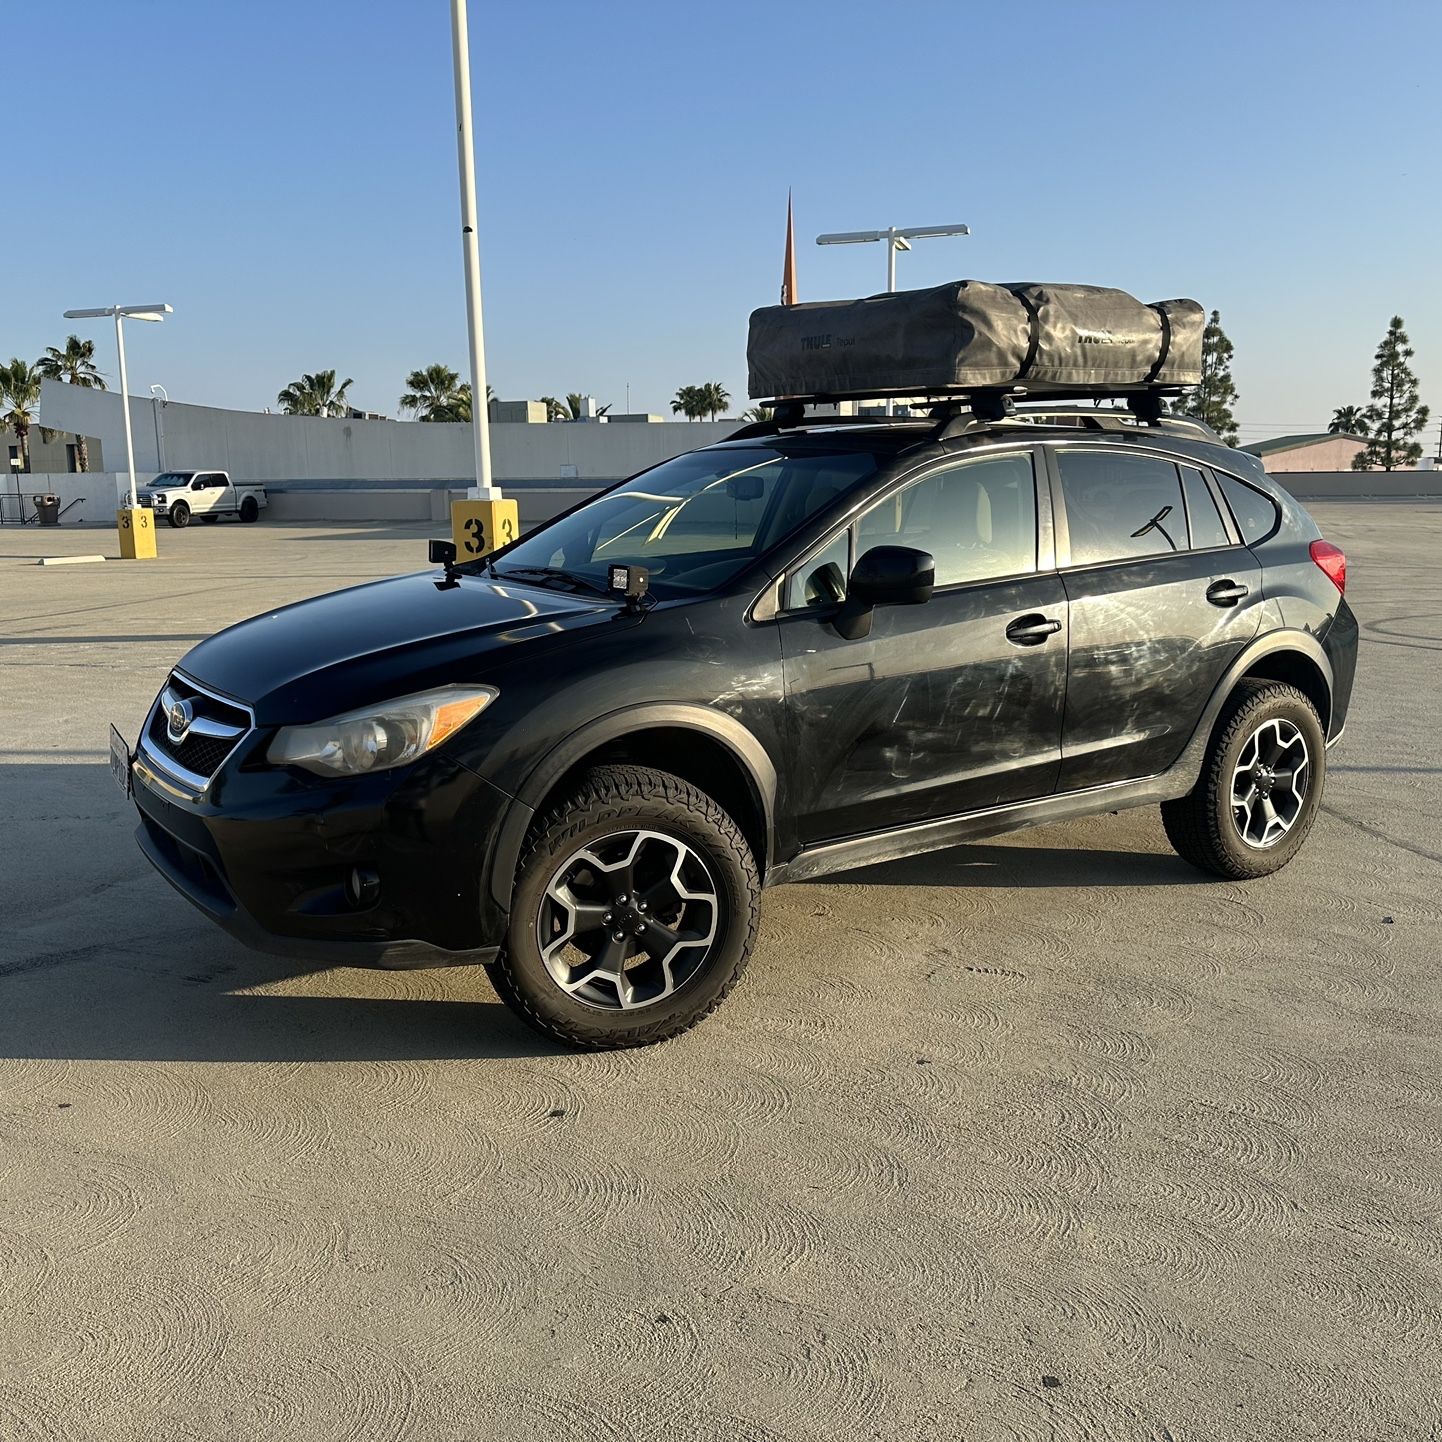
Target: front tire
x,y
180,515
1260,786
635,910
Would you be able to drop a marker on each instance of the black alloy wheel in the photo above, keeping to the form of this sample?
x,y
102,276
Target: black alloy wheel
x,y
634,913
1260,785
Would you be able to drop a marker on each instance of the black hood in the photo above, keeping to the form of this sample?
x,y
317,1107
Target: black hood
x,y
389,638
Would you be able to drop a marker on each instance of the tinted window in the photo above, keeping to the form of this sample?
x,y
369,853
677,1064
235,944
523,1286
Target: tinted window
x,y
978,520
697,520
1202,513
821,579
1255,513
1120,506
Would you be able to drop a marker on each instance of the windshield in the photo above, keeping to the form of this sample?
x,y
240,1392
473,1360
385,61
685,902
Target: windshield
x,y
696,521
171,478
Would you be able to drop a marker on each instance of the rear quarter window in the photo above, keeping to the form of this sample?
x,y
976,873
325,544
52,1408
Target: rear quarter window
x,y
1256,513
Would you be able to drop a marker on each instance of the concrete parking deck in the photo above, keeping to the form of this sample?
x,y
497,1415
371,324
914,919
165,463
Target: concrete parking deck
x,y
1047,1137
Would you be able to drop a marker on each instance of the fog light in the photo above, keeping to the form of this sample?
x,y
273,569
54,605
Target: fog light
x,y
362,888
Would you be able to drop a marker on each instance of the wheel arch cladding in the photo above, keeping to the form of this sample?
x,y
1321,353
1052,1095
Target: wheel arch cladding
x,y
1295,668
712,751
699,757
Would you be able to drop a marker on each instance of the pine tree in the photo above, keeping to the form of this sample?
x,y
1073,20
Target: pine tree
x,y
1213,399
1395,417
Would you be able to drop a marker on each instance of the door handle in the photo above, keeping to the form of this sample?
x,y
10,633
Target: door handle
x,y
1032,630
1225,593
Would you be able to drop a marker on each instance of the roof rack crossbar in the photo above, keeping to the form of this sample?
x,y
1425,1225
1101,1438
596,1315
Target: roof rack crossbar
x,y
956,415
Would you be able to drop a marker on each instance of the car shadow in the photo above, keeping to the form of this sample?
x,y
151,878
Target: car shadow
x,y
1021,866
100,960
126,1005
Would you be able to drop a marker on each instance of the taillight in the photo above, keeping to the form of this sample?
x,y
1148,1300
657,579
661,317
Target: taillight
x,y
1332,561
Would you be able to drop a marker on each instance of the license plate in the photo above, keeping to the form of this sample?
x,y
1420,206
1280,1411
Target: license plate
x,y
120,761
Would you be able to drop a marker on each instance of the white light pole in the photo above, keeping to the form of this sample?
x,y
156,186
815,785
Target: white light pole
x,y
896,238
159,396
134,312
471,252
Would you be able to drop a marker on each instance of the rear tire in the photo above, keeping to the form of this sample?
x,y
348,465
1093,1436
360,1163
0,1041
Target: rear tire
x,y
249,509
1260,786
666,867
180,515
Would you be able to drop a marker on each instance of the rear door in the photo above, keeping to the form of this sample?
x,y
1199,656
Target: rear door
x,y
946,707
1162,597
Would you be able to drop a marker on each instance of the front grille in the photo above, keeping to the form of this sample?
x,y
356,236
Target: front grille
x,y
199,754
199,751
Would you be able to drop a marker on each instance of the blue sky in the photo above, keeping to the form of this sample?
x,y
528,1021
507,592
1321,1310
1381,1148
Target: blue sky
x,y
283,173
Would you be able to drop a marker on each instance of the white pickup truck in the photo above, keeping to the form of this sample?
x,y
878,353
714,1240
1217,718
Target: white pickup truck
x,y
179,495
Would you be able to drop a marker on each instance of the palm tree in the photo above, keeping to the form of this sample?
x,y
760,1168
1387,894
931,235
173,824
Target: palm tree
x,y
693,402
457,407
315,395
20,390
689,403
555,410
714,398
1348,421
757,413
75,365
430,392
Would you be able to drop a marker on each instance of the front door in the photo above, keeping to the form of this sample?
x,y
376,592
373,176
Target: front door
x,y
947,707
1162,598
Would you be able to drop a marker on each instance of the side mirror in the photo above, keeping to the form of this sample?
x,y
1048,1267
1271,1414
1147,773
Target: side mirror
x,y
885,576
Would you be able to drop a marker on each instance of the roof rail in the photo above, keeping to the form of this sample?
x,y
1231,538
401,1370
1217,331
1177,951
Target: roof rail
x,y
800,421
953,422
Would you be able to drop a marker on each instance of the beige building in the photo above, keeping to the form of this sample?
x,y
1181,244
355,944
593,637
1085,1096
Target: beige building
x,y
56,455
1324,452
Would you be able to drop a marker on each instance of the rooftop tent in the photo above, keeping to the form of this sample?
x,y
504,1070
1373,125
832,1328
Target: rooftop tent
x,y
970,334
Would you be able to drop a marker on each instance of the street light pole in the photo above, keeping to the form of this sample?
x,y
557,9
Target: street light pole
x,y
471,252
155,313
125,408
896,238
156,401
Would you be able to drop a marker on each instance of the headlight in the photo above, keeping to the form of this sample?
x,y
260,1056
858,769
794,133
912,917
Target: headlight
x,y
158,497
379,737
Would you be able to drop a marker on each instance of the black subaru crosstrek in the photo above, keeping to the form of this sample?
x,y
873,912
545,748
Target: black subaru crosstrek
x,y
816,644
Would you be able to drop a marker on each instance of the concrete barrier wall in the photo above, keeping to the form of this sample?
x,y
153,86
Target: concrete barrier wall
x,y
254,446
96,494
1340,485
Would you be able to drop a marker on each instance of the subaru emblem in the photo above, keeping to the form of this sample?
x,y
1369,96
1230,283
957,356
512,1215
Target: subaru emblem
x,y
178,719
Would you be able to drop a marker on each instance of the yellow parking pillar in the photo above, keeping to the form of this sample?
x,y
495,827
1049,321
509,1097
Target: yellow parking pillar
x,y
136,525
480,527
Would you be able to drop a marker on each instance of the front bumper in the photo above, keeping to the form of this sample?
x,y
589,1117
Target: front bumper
x,y
275,859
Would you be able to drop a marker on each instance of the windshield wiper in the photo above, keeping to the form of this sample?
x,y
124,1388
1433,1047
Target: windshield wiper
x,y
550,576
